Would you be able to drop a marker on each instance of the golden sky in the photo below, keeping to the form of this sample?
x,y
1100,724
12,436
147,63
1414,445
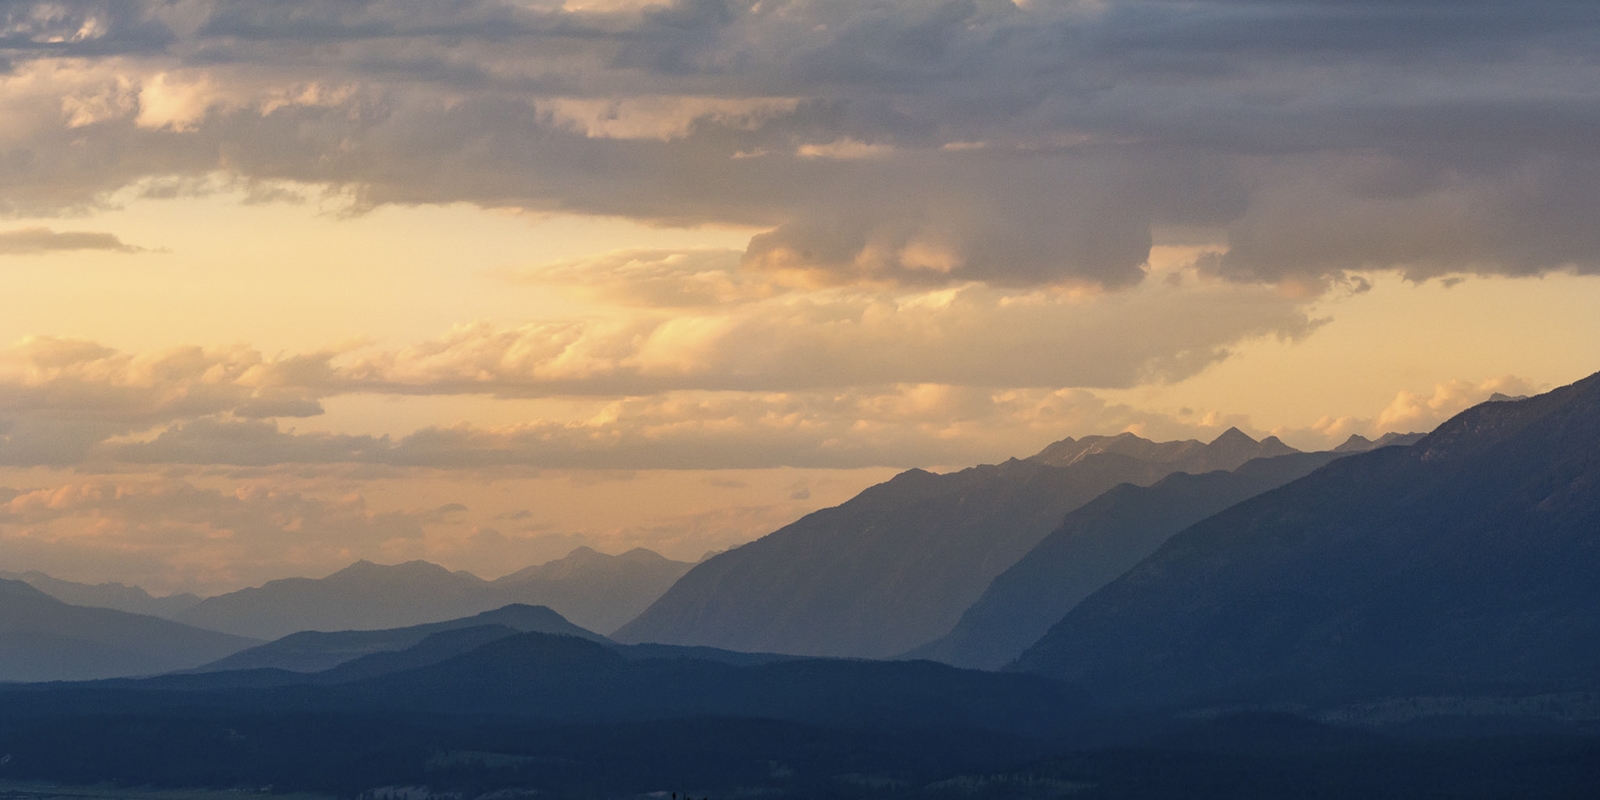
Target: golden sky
x,y
297,283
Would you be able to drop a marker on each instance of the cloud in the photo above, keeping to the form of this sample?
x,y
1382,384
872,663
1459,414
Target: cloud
x,y
899,426
705,340
968,335
60,397
169,532
1419,412
28,241
1317,137
653,278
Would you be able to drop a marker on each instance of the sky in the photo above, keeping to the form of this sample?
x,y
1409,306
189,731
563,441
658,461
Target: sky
x,y
292,284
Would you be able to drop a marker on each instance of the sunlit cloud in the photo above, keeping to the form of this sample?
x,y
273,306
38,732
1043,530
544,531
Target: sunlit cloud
x,y
1423,411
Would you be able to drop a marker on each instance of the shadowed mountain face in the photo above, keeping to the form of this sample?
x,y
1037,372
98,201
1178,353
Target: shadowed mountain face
x,y
1465,559
895,566
44,639
131,599
366,596
1092,547
315,651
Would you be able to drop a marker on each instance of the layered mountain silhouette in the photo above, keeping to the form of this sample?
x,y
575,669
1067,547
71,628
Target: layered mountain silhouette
x,y
315,651
593,589
596,591
44,639
362,596
895,567
105,595
1092,547
1463,563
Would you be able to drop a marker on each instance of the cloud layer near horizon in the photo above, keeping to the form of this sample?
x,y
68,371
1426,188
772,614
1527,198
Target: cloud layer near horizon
x,y
904,140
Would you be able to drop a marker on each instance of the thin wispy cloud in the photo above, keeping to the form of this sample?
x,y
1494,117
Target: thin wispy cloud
x,y
30,241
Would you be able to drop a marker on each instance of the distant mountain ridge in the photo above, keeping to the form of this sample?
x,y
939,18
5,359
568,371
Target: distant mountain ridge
x,y
895,567
44,639
121,597
592,589
1361,444
1230,449
1463,562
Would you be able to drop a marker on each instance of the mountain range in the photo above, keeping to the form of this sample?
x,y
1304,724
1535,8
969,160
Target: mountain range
x,y
1462,564
896,566
1092,547
594,590
121,597
1416,619
44,639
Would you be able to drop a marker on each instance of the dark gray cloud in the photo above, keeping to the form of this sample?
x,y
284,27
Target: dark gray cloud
x,y
922,142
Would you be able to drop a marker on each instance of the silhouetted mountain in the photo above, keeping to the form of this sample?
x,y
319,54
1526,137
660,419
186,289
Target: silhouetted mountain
x,y
44,639
894,567
1463,563
432,649
315,651
1226,452
594,590
526,714
368,596
564,678
1092,547
1361,444
131,599
362,596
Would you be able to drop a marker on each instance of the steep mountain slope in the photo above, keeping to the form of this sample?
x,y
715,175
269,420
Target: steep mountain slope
x,y
1092,547
1463,561
368,596
315,651
894,567
594,590
131,599
44,639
